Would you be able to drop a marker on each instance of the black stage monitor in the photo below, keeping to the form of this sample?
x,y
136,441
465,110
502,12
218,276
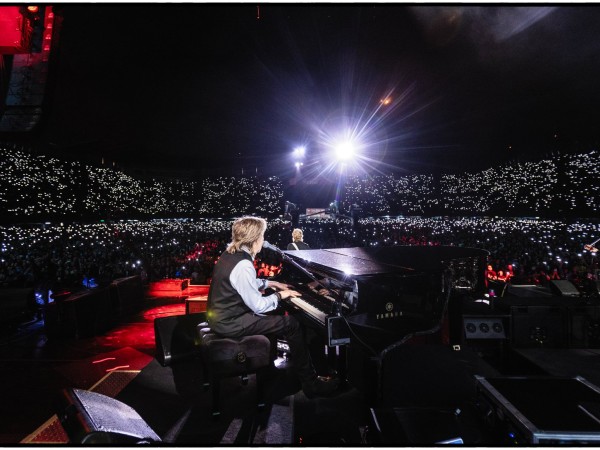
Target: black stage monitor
x,y
92,418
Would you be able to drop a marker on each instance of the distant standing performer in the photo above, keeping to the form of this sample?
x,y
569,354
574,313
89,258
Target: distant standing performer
x,y
298,243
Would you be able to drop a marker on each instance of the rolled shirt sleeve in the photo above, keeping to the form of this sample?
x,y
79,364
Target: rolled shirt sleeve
x,y
244,281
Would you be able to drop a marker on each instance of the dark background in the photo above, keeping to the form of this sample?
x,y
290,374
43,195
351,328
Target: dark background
x,y
218,87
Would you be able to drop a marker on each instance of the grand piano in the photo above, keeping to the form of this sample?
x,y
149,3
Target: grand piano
x,y
374,300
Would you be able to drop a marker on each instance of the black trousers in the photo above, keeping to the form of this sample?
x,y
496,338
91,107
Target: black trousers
x,y
287,328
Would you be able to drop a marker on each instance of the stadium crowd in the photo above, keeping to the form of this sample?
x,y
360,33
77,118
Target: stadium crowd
x,y
109,239
562,185
35,187
64,255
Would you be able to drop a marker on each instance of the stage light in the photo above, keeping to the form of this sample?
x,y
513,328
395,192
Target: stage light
x,y
299,152
345,151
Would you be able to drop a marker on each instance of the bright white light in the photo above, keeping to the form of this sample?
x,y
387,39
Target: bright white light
x,y
347,270
299,152
298,164
345,151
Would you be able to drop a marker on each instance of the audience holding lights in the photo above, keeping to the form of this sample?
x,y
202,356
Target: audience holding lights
x,y
531,251
565,185
436,211
34,187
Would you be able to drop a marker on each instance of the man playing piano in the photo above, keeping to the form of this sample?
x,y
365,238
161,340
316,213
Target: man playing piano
x,y
237,308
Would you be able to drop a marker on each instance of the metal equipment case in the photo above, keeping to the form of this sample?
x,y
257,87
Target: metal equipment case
x,y
541,410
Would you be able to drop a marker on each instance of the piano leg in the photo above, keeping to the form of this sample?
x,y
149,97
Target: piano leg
x,y
327,360
318,355
337,360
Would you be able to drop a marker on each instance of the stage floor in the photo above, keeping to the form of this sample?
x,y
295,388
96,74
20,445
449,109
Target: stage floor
x,y
121,363
37,367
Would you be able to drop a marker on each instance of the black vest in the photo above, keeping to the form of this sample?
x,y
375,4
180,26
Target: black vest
x,y
226,311
300,244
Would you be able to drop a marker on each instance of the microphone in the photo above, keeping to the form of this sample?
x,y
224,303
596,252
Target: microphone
x,y
266,244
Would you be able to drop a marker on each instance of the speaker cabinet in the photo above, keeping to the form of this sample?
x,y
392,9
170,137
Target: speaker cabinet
x,y
177,337
84,314
584,326
486,327
92,418
564,288
539,327
527,290
94,313
127,296
16,305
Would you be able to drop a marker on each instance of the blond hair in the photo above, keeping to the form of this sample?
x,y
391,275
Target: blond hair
x,y
297,234
245,231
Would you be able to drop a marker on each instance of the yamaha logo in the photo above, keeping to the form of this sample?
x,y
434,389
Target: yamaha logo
x,y
389,312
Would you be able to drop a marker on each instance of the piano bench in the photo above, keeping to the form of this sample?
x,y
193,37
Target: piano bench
x,y
225,357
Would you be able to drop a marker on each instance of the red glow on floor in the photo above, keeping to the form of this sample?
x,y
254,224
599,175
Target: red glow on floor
x,y
197,290
141,333
176,288
168,288
173,309
102,360
117,368
138,335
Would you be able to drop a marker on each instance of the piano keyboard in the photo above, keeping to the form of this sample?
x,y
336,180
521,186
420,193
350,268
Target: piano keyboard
x,y
309,308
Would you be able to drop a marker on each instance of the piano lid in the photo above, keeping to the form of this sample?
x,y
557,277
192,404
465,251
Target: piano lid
x,y
360,261
349,264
